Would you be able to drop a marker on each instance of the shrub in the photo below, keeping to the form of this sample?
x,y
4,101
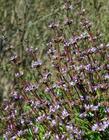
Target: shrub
x,y
63,95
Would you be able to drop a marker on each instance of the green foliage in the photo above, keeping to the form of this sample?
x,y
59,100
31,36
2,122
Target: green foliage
x,y
92,136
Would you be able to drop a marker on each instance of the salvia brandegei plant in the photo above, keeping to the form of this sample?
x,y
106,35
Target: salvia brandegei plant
x,y
64,97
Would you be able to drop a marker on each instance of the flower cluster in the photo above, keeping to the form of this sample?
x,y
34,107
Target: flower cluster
x,y
60,96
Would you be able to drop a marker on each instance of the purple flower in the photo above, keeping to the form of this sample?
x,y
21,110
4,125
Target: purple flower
x,y
106,76
53,122
36,64
101,126
65,113
31,87
31,50
95,127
